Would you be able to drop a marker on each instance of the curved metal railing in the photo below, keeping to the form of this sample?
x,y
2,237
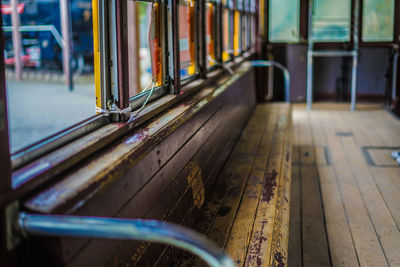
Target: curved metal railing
x,y
127,229
286,74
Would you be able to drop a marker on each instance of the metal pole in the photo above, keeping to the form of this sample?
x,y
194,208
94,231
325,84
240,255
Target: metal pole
x,y
355,57
394,75
309,79
310,57
354,82
16,37
66,34
286,74
126,229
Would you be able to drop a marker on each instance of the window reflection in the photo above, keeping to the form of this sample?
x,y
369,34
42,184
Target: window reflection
x,y
39,102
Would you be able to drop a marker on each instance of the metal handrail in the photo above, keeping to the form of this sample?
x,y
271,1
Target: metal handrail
x,y
127,229
286,73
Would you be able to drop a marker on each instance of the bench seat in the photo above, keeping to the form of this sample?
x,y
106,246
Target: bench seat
x,y
248,212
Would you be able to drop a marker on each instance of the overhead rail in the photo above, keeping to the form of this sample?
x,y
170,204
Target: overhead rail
x,y
286,73
311,53
122,229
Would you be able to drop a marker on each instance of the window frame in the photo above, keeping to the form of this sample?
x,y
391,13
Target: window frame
x,y
230,7
332,43
217,37
379,43
5,160
48,144
27,175
299,26
137,100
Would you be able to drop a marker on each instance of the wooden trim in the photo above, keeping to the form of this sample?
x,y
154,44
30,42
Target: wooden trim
x,y
122,52
396,30
5,161
176,50
304,6
201,38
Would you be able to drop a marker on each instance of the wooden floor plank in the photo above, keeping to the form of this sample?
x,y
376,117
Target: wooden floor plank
x,y
341,243
295,239
365,238
360,199
382,219
389,191
315,245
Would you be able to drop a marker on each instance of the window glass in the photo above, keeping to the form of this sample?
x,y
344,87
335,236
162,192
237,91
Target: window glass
x,y
187,37
378,20
284,20
144,46
210,34
39,102
331,20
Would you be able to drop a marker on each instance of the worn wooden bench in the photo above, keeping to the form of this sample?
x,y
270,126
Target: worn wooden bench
x,y
253,191
248,211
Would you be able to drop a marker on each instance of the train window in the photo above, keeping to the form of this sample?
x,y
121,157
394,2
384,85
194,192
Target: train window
x,y
210,16
35,35
331,20
378,20
284,20
144,46
237,33
187,38
227,31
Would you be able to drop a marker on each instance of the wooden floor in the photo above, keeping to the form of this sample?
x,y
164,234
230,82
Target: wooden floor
x,y
345,199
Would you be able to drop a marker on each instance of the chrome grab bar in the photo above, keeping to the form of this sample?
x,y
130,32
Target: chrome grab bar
x,y
286,74
128,229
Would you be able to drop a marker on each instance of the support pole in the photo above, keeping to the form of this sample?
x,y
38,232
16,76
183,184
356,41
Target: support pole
x,y
310,57
354,82
394,75
16,37
309,79
66,34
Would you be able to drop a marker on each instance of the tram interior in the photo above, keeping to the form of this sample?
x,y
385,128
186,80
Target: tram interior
x,y
199,133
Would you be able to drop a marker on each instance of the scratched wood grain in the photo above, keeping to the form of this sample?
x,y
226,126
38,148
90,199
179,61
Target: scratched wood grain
x,y
242,228
260,246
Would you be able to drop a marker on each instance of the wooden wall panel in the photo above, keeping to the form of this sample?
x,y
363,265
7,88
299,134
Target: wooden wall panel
x,y
169,183
172,193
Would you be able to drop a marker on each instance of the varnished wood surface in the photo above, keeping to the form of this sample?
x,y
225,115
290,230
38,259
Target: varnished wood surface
x,y
345,201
